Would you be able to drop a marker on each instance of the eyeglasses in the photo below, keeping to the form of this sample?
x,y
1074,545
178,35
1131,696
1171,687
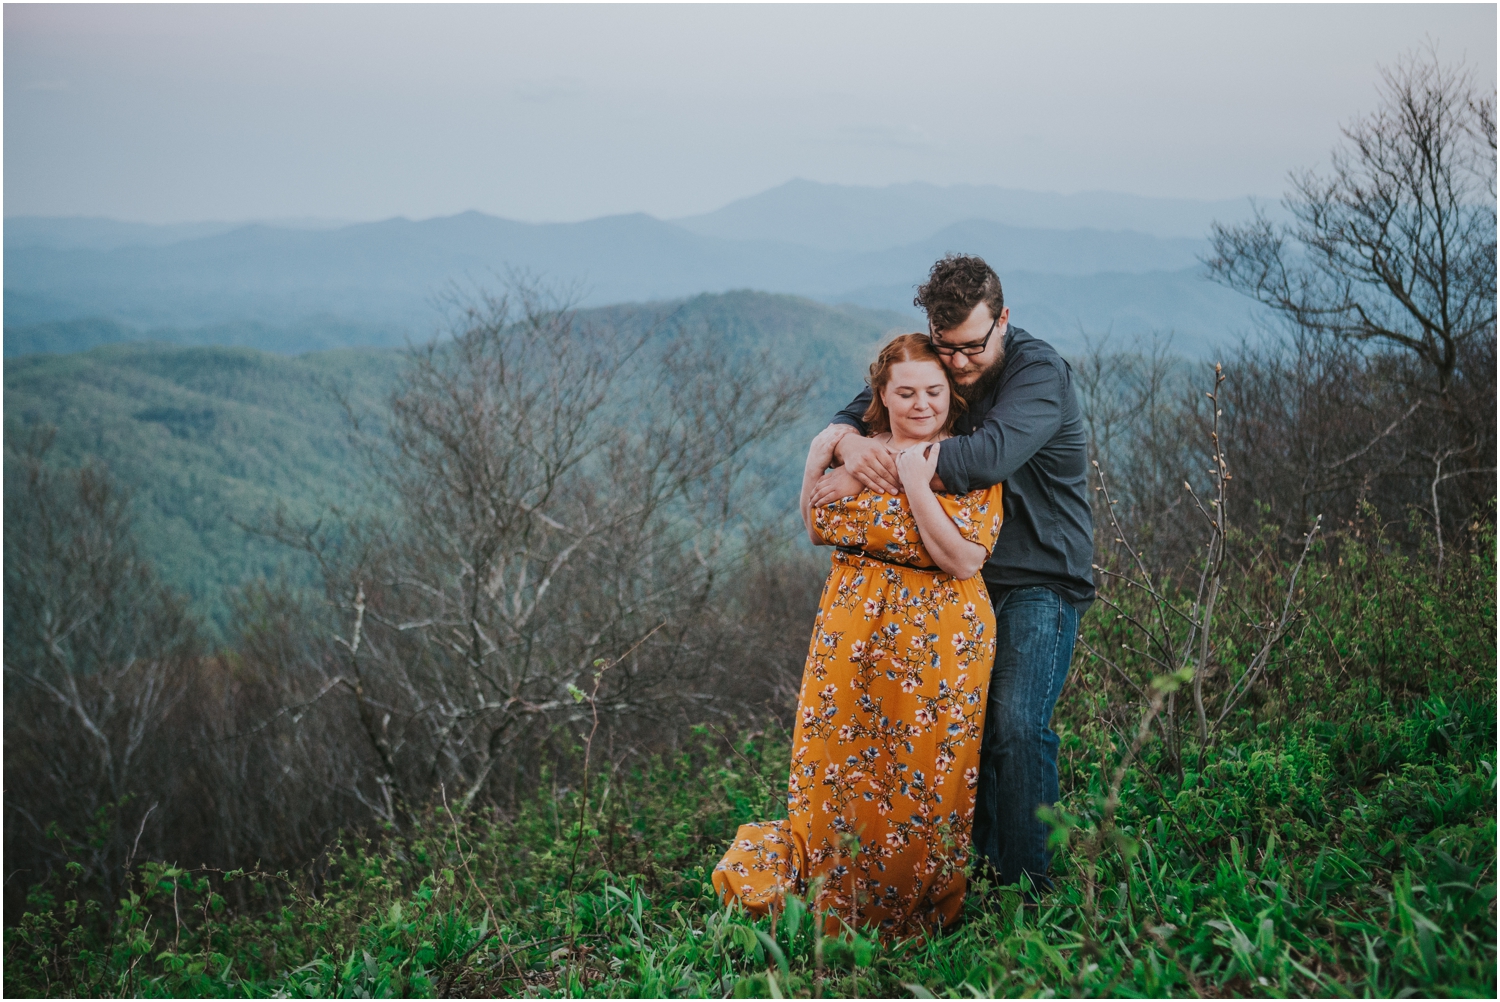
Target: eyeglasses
x,y
971,349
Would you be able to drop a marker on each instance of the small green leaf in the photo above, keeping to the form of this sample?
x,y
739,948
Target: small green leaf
x,y
773,950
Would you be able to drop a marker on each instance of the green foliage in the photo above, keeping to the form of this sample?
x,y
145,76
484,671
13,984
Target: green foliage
x,y
207,440
1339,840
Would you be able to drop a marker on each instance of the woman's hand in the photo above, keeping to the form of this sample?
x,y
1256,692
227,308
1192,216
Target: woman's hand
x,y
917,466
946,546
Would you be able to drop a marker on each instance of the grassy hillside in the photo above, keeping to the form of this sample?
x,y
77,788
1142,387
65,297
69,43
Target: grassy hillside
x,y
207,437
1338,840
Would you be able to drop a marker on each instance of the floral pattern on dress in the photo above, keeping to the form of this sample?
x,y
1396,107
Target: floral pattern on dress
x,y
885,753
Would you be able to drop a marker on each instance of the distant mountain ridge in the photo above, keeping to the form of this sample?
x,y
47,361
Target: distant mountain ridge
x,y
851,217
305,288
100,233
634,257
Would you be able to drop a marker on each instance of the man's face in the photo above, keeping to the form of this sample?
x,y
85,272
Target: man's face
x,y
967,369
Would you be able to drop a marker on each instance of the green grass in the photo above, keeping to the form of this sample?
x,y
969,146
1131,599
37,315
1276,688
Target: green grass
x,y
1340,840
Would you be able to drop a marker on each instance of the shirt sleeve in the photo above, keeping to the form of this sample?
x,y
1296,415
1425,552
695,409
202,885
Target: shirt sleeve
x,y
977,514
854,414
1026,415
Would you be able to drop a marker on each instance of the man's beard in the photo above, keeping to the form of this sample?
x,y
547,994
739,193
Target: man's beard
x,y
976,391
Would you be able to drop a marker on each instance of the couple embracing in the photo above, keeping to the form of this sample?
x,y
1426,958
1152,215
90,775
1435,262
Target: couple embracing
x,y
954,493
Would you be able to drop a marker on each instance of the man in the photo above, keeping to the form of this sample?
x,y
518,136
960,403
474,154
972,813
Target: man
x,y
1022,429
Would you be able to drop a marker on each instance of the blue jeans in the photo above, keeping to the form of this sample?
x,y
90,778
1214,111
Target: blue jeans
x,y
1034,634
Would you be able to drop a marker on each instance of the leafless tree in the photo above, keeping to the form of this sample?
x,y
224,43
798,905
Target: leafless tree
x,y
1395,245
557,493
544,497
95,652
1392,251
262,741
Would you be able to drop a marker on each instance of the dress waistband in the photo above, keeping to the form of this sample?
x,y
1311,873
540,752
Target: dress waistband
x,y
854,551
858,554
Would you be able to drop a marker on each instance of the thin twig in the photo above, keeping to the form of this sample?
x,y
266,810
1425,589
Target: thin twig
x,y
1258,663
334,683
583,801
474,882
131,858
1371,444
588,747
1120,671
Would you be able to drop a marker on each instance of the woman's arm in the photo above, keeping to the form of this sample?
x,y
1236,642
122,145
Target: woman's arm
x,y
819,458
948,548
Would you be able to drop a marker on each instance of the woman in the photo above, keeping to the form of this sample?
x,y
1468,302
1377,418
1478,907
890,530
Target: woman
x,y
885,754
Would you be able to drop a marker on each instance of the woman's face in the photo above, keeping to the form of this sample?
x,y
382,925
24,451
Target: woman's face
x,y
917,398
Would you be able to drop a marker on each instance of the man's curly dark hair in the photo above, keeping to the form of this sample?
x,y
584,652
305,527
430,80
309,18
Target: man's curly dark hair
x,y
956,284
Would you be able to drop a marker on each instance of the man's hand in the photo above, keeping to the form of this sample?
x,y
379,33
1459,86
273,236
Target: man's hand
x,y
820,452
871,463
836,483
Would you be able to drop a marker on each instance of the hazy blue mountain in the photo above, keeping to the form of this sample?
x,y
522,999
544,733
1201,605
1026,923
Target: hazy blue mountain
x,y
392,271
1058,252
1203,318
61,337
100,233
1009,250
851,217
381,283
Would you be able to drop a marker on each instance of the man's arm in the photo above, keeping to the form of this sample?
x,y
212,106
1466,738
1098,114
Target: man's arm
x,y
1027,414
854,414
819,455
870,464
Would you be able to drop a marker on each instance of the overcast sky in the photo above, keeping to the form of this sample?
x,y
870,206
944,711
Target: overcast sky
x,y
175,113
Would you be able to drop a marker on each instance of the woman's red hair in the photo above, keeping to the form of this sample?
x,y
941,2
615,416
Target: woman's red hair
x,y
905,348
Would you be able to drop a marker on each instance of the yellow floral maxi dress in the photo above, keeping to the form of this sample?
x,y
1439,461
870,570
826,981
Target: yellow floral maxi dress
x,y
885,754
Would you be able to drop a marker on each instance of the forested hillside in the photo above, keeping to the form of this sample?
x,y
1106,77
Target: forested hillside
x,y
206,440
211,440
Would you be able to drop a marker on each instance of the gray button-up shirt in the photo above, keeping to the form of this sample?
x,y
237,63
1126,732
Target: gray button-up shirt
x,y
1027,433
